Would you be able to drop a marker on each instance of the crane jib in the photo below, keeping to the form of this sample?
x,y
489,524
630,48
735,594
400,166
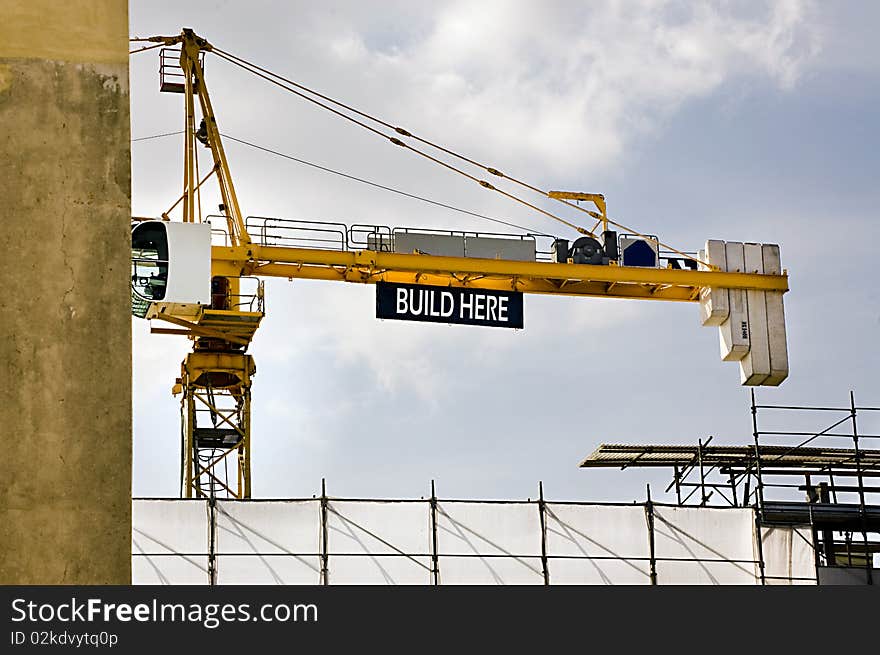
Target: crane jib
x,y
435,304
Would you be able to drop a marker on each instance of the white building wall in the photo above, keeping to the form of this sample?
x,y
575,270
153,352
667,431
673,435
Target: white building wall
x,y
477,542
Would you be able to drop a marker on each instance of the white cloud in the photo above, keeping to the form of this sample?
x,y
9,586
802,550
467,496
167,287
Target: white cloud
x,y
525,82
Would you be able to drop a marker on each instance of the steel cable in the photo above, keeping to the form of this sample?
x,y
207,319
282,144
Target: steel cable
x,y
382,186
361,180
268,75
400,143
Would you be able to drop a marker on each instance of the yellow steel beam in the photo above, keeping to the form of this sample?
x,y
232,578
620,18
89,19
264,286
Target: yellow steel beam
x,y
185,333
542,286
205,332
367,266
191,46
198,362
189,145
596,198
218,481
207,468
219,413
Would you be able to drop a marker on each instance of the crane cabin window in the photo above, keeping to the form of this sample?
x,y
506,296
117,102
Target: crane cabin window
x,y
149,261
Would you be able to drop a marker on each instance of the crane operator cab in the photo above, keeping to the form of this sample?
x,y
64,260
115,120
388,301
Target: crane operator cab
x,y
170,268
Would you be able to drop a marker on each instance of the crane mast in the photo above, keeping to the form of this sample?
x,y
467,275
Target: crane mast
x,y
215,380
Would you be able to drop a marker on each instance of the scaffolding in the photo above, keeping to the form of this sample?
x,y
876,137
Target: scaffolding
x,y
436,541
834,501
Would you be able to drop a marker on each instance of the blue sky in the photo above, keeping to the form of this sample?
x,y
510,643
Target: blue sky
x,y
741,121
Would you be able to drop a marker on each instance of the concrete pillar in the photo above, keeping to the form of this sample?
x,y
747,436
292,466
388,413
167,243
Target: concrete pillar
x,y
65,327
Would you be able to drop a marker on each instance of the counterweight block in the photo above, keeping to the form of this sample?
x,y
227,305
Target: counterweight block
x,y
751,323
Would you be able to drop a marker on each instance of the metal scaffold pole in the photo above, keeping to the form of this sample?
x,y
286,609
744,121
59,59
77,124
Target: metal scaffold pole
x,y
649,515
542,511
325,555
869,573
435,560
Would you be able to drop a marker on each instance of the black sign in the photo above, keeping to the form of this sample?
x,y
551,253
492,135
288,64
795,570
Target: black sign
x,y
416,302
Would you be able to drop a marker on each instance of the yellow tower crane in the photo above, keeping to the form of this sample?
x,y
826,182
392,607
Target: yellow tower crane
x,y
204,281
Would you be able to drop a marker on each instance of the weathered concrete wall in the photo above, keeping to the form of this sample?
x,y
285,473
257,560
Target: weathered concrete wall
x,y
65,328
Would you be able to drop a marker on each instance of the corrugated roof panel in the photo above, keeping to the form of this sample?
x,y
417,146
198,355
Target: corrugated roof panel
x,y
626,455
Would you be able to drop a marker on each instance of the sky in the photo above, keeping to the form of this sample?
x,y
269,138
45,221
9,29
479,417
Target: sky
x,y
744,121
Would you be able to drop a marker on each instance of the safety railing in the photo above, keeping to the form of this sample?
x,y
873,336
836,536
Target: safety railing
x,y
332,235
294,233
249,302
171,76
